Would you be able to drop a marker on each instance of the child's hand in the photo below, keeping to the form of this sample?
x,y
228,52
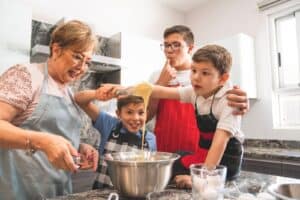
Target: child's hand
x,y
107,91
183,181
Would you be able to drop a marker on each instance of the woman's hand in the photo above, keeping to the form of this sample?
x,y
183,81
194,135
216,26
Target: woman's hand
x,y
89,157
59,150
237,98
183,181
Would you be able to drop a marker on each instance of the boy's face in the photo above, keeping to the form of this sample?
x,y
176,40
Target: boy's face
x,y
177,50
132,116
205,78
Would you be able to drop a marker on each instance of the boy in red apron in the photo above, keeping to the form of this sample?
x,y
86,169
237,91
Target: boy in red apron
x,y
221,138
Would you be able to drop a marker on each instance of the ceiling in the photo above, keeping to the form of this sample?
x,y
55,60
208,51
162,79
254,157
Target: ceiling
x,y
183,5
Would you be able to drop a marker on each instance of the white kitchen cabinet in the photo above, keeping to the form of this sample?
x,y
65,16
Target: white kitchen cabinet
x,y
243,73
15,20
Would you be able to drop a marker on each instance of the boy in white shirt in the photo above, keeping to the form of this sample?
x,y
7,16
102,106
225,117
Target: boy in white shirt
x,y
221,138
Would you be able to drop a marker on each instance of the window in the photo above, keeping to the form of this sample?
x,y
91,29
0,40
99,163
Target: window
x,y
285,49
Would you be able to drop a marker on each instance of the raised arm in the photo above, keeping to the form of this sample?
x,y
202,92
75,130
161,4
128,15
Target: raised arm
x,y
161,92
167,74
84,98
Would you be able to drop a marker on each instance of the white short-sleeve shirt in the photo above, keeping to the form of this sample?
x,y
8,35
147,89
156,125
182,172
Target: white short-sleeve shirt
x,y
220,109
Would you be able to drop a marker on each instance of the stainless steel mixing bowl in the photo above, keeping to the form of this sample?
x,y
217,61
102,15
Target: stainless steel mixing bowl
x,y
288,191
134,174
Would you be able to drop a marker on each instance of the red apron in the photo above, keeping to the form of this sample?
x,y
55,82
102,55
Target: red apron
x,y
176,128
201,153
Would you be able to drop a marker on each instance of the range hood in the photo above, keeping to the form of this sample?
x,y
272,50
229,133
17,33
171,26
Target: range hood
x,y
108,62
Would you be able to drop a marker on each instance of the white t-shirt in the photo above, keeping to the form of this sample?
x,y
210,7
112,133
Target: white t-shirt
x,y
20,86
182,79
220,108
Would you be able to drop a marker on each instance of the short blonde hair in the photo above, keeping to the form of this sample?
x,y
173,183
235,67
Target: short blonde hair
x,y
74,35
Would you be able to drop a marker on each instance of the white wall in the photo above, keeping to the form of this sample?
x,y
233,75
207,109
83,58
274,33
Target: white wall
x,y
15,20
218,19
141,23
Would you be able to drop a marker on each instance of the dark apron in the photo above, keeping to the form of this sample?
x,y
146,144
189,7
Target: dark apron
x,y
117,142
233,154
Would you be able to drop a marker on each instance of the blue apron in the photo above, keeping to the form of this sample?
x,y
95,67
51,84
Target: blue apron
x,y
34,177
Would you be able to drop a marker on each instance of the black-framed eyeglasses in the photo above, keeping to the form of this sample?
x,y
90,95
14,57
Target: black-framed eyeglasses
x,y
174,46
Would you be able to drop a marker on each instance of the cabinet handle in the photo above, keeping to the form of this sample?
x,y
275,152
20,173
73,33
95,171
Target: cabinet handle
x,y
279,59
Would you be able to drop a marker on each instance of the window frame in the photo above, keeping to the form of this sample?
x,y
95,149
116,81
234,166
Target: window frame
x,y
277,90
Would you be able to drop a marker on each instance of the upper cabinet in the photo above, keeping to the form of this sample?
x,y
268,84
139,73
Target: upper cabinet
x,y
243,73
107,56
15,20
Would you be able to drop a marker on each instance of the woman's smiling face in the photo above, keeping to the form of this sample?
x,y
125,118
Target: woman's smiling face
x,y
71,65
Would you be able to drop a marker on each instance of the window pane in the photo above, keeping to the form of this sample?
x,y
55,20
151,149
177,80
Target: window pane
x,y
289,110
287,46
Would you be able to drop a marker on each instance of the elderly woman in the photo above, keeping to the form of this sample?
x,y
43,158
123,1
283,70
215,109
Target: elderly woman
x,y
39,121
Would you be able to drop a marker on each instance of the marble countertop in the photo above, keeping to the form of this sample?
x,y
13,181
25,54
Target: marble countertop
x,y
290,155
248,182
287,151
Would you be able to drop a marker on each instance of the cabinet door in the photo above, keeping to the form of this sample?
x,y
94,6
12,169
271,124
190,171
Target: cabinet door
x,y
241,47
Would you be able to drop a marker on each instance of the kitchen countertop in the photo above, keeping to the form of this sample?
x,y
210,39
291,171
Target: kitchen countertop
x,y
248,182
285,151
271,150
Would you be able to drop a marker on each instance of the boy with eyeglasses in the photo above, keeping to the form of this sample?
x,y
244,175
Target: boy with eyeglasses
x,y
174,123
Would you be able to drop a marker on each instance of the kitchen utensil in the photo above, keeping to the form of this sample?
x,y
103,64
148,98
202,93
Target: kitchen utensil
x,y
169,195
134,174
287,191
113,196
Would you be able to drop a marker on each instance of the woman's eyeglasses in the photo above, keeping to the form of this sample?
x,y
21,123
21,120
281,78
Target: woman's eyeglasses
x,y
79,59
